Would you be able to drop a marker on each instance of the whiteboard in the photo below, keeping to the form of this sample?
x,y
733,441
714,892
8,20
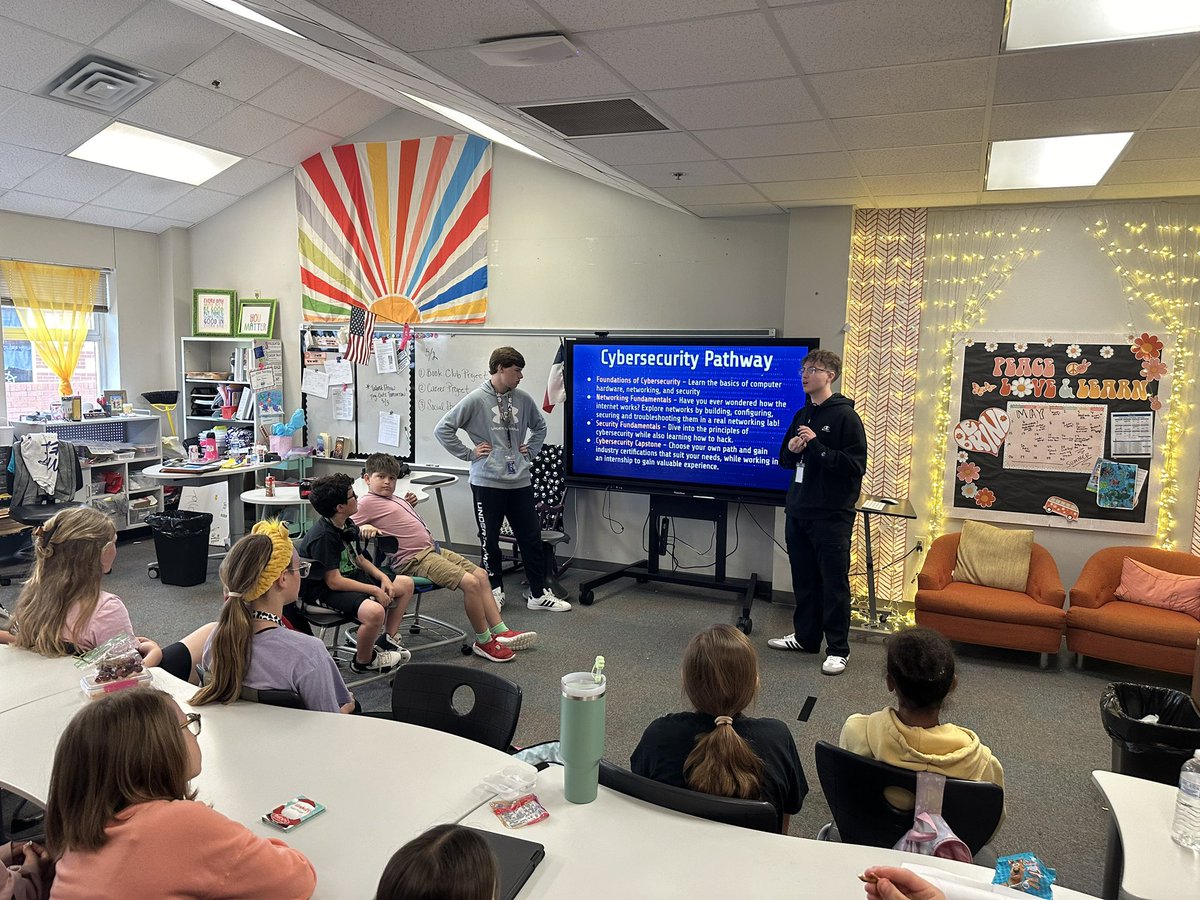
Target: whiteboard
x,y
389,393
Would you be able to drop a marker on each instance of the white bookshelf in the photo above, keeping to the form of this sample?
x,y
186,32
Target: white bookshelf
x,y
213,354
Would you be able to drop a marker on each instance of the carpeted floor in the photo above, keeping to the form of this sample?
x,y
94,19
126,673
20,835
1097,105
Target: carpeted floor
x,y
1043,725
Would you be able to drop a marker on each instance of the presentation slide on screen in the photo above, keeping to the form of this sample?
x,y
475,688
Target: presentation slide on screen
x,y
702,415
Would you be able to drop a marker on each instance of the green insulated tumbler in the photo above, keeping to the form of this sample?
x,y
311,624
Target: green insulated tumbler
x,y
582,732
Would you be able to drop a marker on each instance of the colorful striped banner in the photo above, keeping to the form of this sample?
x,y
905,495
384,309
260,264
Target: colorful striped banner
x,y
397,228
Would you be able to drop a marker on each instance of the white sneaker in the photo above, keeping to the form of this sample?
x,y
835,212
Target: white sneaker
x,y
788,642
834,665
382,661
498,594
548,602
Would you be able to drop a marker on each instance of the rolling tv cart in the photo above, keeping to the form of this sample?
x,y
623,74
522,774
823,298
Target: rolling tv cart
x,y
679,506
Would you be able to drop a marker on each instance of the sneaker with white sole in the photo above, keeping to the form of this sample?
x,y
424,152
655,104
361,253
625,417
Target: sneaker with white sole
x,y
381,661
385,641
517,640
834,665
788,642
547,602
493,650
498,596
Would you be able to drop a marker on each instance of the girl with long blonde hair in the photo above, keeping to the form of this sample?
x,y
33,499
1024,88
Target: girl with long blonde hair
x,y
717,749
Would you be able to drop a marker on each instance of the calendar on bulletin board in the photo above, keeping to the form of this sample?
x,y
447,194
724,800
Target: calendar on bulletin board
x,y
1053,431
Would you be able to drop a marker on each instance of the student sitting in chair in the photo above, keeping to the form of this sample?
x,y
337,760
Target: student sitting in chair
x,y
62,611
920,671
349,582
716,749
251,646
417,554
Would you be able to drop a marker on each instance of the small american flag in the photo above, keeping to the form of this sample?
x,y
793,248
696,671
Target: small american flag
x,y
362,332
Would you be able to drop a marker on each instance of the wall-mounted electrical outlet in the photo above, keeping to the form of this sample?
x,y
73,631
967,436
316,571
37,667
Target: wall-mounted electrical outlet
x,y
922,542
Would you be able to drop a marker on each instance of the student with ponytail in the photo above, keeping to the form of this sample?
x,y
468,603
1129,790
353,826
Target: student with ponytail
x,y
717,749
251,647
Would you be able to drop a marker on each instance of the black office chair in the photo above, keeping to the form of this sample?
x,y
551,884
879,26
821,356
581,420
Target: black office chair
x,y
549,494
32,504
424,694
855,788
273,697
758,815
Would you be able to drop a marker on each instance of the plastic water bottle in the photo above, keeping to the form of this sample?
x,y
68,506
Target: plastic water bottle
x,y
1185,830
582,734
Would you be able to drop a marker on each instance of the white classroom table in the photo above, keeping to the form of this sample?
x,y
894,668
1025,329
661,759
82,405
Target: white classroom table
x,y
1143,862
237,516
617,846
383,782
26,676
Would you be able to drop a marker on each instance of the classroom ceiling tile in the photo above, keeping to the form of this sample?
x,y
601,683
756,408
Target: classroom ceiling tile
x,y
163,36
927,183
48,125
951,126
1149,171
1135,191
737,105
99,215
77,21
180,109
1034,195
73,179
243,66
783,192
32,57
197,205
914,160
576,17
708,195
770,140
302,94
144,194
36,205
632,149
798,167
246,130
158,224
1087,115
913,201
865,33
824,201
1178,109
658,175
353,114
297,146
8,98
246,176
1094,70
879,92
446,23
683,54
730,210
583,76
1164,143
18,163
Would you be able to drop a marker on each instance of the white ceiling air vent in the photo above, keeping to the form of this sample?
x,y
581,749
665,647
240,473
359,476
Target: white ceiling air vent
x,y
102,85
526,50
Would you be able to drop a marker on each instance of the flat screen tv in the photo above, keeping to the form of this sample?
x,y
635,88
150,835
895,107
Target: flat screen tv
x,y
702,417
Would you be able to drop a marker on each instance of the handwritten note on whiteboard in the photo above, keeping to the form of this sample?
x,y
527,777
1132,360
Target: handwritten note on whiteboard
x,y
1055,437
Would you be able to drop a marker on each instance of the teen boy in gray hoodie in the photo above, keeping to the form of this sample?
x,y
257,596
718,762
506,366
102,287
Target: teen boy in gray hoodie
x,y
506,429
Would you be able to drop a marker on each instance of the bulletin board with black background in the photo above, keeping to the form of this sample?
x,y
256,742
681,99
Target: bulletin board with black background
x,y
1057,430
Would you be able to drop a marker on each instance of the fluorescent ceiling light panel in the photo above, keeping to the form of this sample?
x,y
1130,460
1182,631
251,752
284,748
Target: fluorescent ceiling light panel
x,y
138,150
1074,161
1053,23
232,6
473,125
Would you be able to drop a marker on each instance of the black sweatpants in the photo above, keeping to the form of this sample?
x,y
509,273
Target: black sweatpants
x,y
492,507
819,553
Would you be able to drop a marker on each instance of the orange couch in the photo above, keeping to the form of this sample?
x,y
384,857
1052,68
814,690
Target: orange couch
x,y
1100,625
974,614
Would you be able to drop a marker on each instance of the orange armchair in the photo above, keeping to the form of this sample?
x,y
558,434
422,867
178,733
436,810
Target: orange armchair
x,y
975,614
1100,625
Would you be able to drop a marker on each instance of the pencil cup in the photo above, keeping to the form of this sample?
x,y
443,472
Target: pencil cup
x,y
582,734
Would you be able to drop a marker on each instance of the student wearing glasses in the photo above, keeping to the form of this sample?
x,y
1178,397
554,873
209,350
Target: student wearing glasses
x,y
251,646
826,446
122,821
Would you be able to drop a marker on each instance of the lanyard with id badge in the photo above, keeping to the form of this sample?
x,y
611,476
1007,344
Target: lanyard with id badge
x,y
508,415
799,477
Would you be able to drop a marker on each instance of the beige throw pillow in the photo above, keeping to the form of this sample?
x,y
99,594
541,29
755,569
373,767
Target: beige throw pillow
x,y
994,557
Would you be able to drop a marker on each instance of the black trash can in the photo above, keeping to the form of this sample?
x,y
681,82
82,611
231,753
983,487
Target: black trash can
x,y
1151,750
181,545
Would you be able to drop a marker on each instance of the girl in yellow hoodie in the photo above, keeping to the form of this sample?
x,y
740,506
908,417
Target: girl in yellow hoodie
x,y
920,671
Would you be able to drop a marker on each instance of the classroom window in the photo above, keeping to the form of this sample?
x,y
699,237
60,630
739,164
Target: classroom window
x,y
29,385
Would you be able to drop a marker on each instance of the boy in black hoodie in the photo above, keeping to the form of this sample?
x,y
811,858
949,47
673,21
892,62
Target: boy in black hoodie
x,y
827,447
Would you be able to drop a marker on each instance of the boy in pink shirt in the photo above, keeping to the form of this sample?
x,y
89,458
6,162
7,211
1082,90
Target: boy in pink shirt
x,y
418,554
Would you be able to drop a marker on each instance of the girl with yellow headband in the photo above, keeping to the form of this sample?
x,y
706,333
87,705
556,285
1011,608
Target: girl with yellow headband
x,y
251,646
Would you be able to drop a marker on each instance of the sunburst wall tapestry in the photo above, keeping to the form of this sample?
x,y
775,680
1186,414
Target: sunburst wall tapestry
x,y
398,229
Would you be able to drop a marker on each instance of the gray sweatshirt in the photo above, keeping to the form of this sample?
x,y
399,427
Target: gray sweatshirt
x,y
501,420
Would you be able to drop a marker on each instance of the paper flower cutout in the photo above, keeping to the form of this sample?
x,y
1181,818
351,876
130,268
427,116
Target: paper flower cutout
x,y
1147,346
1106,351
969,490
985,497
1074,351
1020,346
1153,368
1021,387
968,471
961,456
990,346
970,342
1155,403
1048,342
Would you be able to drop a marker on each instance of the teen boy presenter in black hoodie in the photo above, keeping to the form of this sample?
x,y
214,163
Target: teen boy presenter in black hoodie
x,y
827,448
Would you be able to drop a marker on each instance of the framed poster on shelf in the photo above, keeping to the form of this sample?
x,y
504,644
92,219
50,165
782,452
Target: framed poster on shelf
x,y
256,318
212,312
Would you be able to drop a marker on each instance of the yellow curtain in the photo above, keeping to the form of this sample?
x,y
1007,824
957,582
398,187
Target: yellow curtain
x,y
53,304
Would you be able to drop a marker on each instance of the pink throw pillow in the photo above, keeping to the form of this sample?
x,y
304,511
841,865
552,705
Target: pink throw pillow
x,y
1154,587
